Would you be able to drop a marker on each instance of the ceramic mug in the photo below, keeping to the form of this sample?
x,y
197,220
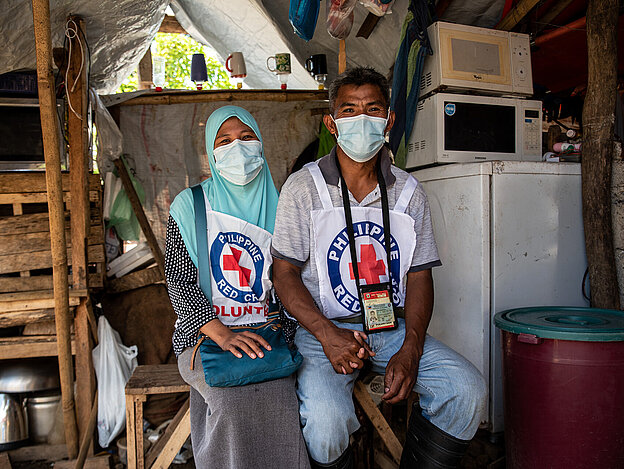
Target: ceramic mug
x,y
316,64
282,63
235,64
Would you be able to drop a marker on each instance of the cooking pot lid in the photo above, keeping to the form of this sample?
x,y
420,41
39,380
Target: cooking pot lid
x,y
564,323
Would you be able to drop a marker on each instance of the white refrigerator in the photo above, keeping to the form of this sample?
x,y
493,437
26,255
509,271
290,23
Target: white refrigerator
x,y
509,234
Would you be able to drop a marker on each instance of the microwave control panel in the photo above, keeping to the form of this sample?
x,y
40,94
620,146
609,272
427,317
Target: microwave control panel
x,y
532,132
522,76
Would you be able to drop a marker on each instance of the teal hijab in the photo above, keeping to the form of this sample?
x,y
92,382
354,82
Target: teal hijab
x,y
254,203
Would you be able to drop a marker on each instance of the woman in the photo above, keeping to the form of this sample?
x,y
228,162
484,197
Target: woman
x,y
246,426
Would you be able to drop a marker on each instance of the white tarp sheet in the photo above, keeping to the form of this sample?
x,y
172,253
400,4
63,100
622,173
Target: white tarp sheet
x,y
120,31
165,145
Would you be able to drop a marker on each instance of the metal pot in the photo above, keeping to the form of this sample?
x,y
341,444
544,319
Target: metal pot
x,y
13,422
29,375
41,413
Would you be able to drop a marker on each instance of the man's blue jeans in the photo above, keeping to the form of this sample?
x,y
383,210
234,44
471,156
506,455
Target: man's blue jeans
x,y
452,392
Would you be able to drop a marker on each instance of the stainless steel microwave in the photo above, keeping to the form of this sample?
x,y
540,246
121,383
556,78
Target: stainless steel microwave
x,y
454,128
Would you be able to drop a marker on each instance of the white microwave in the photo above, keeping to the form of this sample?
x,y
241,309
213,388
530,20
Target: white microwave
x,y
478,59
456,128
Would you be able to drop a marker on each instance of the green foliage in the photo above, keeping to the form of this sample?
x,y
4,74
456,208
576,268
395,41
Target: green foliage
x,y
129,84
178,50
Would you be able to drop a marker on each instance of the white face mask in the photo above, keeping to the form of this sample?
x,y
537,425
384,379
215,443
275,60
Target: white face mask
x,y
239,162
361,137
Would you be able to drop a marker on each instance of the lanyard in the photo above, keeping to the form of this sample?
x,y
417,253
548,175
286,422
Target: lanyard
x,y
349,219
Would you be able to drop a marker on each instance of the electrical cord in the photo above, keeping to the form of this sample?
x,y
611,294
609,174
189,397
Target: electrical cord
x,y
71,32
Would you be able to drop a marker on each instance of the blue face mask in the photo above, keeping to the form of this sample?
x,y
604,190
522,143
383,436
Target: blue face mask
x,y
239,162
361,137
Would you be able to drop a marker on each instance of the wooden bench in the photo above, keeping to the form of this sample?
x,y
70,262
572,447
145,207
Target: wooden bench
x,y
155,379
165,379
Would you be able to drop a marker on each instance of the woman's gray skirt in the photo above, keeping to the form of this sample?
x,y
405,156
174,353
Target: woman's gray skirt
x,y
254,426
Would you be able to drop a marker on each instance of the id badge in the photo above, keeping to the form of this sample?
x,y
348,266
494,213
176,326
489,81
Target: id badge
x,y
378,311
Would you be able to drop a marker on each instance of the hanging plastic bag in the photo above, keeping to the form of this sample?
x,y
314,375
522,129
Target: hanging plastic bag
x,y
122,216
303,15
340,18
114,363
378,7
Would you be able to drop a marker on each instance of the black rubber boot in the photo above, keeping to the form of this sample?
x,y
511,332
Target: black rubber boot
x,y
345,461
428,447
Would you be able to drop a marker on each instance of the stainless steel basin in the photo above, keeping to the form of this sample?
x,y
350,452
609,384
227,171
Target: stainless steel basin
x,y
29,375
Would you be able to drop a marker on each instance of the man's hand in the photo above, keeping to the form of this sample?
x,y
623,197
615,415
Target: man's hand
x,y
401,374
346,349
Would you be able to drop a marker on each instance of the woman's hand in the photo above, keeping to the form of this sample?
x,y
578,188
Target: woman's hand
x,y
244,341
235,342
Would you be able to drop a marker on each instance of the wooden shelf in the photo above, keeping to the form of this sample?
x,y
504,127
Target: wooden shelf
x,y
40,300
184,96
30,346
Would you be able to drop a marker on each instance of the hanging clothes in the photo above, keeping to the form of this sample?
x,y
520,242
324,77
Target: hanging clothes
x,y
408,68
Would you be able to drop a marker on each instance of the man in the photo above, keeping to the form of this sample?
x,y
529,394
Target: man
x,y
315,276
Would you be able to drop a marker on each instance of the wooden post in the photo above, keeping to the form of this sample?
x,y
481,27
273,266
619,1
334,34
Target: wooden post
x,y
517,13
144,71
50,131
88,435
140,214
76,89
598,151
342,56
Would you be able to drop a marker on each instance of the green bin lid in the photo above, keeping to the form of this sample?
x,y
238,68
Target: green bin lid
x,y
564,323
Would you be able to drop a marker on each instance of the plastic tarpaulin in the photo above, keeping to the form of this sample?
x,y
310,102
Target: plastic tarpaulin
x,y
241,26
165,145
118,33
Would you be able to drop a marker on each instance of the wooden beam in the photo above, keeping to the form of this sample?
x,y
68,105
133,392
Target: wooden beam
x,y
85,373
378,421
51,147
20,318
140,214
135,280
144,71
43,259
342,56
599,151
516,14
22,301
555,10
163,441
11,183
29,347
76,92
207,96
171,25
17,243
38,283
175,439
85,443
368,25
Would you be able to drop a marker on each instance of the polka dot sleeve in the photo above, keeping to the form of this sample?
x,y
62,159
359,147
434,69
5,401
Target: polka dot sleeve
x,y
188,300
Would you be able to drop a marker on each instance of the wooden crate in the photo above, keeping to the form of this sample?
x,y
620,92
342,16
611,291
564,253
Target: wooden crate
x,y
25,256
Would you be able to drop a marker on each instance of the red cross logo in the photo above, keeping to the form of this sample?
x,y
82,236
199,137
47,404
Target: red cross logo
x,y
370,268
231,263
